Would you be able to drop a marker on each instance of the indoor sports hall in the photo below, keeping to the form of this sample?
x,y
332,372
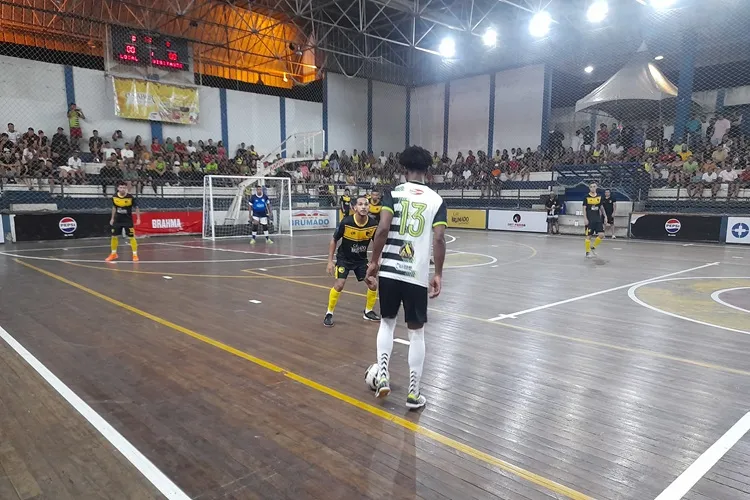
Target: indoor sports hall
x,y
204,371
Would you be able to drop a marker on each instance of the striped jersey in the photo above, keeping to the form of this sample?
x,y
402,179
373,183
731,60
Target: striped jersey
x,y
416,210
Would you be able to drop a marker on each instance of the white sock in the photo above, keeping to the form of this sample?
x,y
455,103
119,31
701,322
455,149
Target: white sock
x,y
416,359
254,234
385,344
266,234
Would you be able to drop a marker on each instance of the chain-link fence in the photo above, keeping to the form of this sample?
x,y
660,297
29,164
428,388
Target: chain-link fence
x,y
650,102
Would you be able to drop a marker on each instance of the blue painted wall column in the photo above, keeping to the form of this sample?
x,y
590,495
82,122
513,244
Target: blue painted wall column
x,y
157,132
446,116
685,86
720,95
407,138
282,122
546,106
369,115
325,112
70,87
224,118
491,120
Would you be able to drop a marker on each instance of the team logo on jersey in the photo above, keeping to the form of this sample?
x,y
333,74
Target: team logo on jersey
x,y
672,226
407,251
68,225
416,191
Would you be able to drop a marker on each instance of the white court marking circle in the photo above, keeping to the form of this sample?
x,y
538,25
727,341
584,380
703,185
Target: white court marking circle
x,y
717,299
634,298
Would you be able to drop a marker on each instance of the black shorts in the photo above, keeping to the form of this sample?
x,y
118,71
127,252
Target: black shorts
x,y
118,227
609,218
393,293
343,268
594,227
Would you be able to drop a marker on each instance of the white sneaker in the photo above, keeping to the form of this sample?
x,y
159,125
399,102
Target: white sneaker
x,y
415,401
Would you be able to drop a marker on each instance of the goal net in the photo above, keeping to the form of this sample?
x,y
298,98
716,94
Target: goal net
x,y
226,198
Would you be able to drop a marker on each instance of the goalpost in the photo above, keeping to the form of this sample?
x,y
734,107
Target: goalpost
x,y
225,205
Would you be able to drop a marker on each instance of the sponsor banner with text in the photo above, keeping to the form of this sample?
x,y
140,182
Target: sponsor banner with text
x,y
170,223
303,220
59,226
517,220
738,230
679,227
146,100
467,219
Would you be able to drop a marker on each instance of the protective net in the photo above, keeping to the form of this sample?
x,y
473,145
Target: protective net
x,y
647,98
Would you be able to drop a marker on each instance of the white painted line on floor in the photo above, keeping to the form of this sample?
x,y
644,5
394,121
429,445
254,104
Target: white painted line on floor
x,y
618,248
715,297
253,301
234,250
135,457
736,257
494,265
689,244
262,269
708,459
167,277
401,341
600,292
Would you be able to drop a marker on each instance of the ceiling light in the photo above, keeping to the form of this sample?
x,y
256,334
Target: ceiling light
x,y
597,11
490,37
662,4
658,58
540,23
447,47
588,69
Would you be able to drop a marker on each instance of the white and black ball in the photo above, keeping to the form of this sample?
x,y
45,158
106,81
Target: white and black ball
x,y
371,377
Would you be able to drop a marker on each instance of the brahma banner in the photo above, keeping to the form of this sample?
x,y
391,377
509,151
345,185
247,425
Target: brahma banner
x,y
146,100
313,219
170,223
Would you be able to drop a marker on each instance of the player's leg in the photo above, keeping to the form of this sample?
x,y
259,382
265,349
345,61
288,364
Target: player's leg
x,y
264,224
133,243
114,240
372,293
390,303
556,224
611,220
415,314
598,230
340,274
587,243
254,222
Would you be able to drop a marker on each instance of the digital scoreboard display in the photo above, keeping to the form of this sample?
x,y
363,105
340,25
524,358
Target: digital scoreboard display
x,y
142,48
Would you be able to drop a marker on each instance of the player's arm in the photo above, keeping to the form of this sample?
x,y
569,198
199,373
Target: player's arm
x,y
439,223
112,217
585,209
268,207
332,246
614,208
381,235
137,212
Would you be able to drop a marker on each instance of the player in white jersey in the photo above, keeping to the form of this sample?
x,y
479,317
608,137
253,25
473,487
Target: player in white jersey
x,y
413,218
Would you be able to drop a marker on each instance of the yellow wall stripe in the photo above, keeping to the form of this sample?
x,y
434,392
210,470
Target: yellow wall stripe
x,y
374,410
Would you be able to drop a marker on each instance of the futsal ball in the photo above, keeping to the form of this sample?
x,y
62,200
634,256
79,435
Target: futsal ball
x,y
371,377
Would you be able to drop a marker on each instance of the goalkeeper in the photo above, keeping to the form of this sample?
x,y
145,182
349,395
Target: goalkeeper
x,y
260,210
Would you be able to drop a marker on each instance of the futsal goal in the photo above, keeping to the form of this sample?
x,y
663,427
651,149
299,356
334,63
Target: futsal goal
x,y
226,211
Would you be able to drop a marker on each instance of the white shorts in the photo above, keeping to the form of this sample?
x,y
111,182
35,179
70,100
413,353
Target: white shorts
x,y
262,220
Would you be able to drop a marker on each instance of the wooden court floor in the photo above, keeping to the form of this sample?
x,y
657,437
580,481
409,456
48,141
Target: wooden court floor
x,y
205,372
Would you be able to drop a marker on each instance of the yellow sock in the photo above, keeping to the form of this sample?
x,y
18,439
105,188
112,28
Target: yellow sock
x,y
372,296
134,245
597,241
333,298
113,244
588,246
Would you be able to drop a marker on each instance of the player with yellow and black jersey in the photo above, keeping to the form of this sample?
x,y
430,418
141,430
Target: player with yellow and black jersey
x,y
593,215
376,204
123,204
355,233
345,204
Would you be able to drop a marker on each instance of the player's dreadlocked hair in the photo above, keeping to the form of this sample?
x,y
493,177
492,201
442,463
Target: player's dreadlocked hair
x,y
416,159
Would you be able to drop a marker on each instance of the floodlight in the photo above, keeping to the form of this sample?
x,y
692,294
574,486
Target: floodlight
x,y
490,37
447,47
658,58
540,23
598,10
588,69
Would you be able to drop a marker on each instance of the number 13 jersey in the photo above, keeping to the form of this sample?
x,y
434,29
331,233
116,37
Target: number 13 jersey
x,y
416,210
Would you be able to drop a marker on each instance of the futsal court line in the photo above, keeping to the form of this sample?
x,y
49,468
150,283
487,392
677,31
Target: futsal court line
x,y
156,477
594,294
528,329
685,481
449,442
716,298
251,252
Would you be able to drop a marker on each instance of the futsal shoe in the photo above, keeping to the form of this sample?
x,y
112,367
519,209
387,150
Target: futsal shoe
x,y
588,255
383,389
415,401
370,316
328,320
593,252
135,257
269,241
112,256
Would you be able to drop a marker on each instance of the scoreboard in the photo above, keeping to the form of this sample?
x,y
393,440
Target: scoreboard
x,y
143,48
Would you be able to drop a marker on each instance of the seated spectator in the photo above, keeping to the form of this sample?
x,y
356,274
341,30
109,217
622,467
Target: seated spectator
x,y
190,148
108,151
138,148
744,178
13,134
127,153
710,180
689,170
730,177
719,156
73,171
10,166
210,148
109,174
155,146
117,139
95,145
221,151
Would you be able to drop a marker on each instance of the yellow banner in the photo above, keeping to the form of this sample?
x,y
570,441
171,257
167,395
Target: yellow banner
x,y
469,219
145,100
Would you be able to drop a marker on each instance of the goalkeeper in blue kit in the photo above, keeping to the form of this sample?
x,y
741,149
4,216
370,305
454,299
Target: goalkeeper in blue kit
x,y
260,211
